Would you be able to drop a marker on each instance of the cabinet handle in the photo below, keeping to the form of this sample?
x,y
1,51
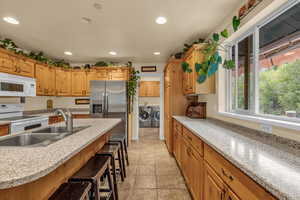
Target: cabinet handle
x,y
226,175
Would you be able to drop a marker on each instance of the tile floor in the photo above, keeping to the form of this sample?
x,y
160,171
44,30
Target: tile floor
x,y
153,174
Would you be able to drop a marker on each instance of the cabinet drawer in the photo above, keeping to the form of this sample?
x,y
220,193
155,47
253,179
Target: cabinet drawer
x,y
4,129
193,140
177,126
240,183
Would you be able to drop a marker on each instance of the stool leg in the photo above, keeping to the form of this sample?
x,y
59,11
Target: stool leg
x,y
120,164
113,165
123,159
96,187
126,153
111,187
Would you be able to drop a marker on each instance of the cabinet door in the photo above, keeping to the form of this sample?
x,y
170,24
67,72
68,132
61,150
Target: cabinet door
x,y
118,74
41,79
51,90
79,83
214,188
6,64
195,173
167,134
188,78
185,160
24,67
4,129
231,196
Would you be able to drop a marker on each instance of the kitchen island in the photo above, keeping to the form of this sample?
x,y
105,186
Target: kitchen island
x,y
36,172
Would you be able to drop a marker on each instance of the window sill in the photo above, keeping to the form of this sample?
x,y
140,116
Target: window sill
x,y
263,120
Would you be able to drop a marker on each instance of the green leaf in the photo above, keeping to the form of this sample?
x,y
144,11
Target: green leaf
x,y
224,33
213,68
229,64
236,23
197,67
184,66
216,37
189,70
219,59
201,78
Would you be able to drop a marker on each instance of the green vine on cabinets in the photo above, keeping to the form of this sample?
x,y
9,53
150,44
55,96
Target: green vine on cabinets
x,y
212,59
132,85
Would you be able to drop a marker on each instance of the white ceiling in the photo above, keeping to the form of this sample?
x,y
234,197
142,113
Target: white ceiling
x,y
125,26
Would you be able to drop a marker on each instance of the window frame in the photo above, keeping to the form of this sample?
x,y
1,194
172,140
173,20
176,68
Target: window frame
x,y
253,112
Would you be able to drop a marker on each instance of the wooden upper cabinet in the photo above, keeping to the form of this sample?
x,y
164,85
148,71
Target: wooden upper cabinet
x,y
63,80
6,63
214,188
190,84
79,83
24,67
51,82
118,74
41,79
149,89
95,74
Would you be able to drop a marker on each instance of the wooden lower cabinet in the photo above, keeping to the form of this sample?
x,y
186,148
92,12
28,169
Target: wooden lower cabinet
x,y
208,175
4,129
214,188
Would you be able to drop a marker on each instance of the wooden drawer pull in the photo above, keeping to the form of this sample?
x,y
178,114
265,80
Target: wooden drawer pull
x,y
189,138
226,175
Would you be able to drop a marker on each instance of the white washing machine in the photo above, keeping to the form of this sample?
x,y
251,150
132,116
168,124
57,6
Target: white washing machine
x,y
156,116
145,116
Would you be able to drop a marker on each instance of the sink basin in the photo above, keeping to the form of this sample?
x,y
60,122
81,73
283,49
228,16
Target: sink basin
x,y
42,137
60,129
29,139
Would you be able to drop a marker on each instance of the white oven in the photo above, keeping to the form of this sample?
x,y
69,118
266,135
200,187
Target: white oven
x,y
13,85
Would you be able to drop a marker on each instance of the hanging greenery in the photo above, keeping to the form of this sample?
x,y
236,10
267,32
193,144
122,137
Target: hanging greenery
x,y
212,59
132,85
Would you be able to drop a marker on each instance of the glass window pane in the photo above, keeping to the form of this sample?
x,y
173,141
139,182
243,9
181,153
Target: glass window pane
x,y
233,81
279,65
245,68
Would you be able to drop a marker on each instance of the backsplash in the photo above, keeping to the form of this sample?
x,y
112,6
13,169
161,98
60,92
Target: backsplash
x,y
40,102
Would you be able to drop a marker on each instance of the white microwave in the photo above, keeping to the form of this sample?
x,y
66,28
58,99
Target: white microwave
x,y
17,86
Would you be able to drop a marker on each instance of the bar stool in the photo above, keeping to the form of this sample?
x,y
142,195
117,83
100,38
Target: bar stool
x,y
72,191
95,169
114,152
121,138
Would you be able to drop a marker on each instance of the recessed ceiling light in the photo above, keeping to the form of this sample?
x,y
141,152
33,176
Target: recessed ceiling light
x,y
156,53
161,20
113,53
11,20
68,53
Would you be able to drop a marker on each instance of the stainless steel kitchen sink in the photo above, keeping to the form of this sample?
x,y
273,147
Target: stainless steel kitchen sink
x,y
54,129
42,137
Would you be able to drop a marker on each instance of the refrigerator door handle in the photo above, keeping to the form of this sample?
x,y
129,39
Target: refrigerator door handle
x,y
107,103
104,103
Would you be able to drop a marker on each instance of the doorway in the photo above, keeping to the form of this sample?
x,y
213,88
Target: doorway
x,y
149,115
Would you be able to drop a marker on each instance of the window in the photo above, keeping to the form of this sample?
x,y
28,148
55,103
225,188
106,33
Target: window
x,y
266,80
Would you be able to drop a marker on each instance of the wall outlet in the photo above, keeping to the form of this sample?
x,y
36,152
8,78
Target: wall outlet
x,y
266,128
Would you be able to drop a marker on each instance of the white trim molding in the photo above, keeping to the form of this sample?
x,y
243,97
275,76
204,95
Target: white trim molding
x,y
263,120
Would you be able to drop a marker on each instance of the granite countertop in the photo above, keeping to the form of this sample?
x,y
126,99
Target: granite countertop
x,y
20,165
271,165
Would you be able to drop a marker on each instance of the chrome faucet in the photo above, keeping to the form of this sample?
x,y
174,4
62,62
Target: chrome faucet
x,y
68,118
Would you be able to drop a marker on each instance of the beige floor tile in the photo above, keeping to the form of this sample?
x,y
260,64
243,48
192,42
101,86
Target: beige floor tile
x,y
145,182
146,170
131,170
167,169
128,183
143,194
124,194
173,194
170,182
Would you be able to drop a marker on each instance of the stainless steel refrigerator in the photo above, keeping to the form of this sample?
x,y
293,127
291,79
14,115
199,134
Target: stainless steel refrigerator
x,y
108,99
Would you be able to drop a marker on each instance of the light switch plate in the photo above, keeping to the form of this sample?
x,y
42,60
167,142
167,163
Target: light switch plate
x,y
266,128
